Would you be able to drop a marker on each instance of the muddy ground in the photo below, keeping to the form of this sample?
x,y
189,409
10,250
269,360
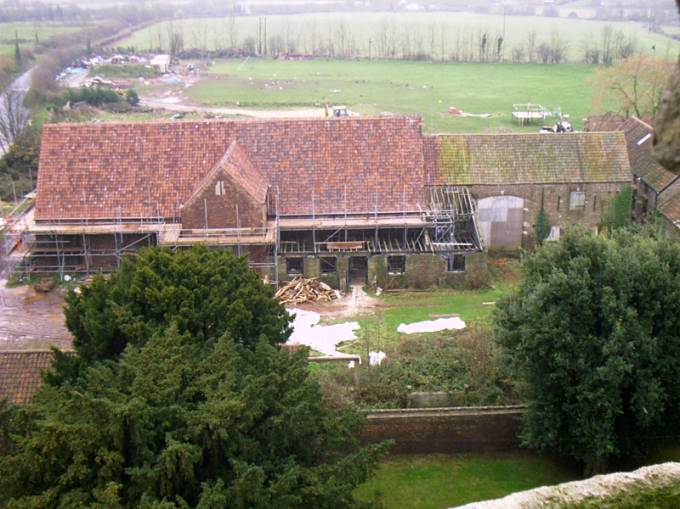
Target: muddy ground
x,y
32,320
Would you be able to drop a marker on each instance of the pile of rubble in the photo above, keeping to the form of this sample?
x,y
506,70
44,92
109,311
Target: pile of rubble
x,y
301,290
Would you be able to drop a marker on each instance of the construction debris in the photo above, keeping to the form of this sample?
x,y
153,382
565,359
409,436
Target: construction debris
x,y
301,290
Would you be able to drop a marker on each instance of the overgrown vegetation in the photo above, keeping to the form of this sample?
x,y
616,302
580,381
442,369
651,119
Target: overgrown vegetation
x,y
467,365
132,71
19,165
618,214
94,96
592,332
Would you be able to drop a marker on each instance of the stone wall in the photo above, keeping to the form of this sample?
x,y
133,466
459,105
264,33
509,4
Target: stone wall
x,y
446,430
422,271
555,203
621,489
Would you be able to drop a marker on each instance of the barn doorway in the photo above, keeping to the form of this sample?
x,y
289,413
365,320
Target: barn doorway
x,y
501,220
358,270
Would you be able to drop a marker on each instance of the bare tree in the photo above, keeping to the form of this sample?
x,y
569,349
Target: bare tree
x,y
517,55
558,48
544,52
606,50
232,31
531,46
175,40
14,118
632,86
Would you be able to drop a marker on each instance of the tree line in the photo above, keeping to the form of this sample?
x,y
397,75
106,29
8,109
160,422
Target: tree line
x,y
388,39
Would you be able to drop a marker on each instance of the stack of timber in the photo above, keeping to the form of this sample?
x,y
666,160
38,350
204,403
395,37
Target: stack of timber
x,y
301,290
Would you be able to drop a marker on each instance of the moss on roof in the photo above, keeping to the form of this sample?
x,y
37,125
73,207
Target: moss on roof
x,y
532,158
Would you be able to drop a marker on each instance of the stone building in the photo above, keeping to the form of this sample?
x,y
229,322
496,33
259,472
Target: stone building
x,y
372,200
572,176
653,184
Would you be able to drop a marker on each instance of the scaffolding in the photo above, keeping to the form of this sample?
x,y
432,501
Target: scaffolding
x,y
446,225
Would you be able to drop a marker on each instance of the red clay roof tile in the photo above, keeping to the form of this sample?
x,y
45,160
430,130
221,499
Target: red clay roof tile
x,y
21,373
149,169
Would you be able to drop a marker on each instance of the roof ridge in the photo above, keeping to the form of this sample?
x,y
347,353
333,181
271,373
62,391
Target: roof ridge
x,y
250,120
645,124
35,350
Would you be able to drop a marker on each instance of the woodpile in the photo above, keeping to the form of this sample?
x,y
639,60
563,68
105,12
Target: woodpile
x,y
301,290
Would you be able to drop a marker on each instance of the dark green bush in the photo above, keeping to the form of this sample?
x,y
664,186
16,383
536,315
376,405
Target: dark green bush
x,y
94,96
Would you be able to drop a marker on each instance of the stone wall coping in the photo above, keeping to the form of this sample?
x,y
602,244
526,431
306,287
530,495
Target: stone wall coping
x,y
401,413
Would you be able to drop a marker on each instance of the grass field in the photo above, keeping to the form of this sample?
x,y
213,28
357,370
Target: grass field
x,y
26,32
421,88
439,481
368,34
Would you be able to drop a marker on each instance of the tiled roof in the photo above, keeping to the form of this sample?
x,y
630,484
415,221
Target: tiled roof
x,y
238,166
605,122
639,138
21,373
670,209
467,159
149,169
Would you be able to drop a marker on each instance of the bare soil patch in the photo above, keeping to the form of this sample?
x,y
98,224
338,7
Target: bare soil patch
x,y
31,320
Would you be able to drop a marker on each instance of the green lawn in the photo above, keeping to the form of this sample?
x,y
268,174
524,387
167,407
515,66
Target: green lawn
x,y
379,34
440,481
380,327
421,88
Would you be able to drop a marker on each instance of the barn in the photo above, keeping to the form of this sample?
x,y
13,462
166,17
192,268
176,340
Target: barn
x,y
370,200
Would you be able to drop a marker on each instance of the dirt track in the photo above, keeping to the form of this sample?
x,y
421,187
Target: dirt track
x,y
246,112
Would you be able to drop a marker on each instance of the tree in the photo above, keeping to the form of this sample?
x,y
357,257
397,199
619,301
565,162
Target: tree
x,y
19,165
178,423
204,293
132,97
618,213
632,86
592,333
531,45
14,118
17,49
667,139
542,227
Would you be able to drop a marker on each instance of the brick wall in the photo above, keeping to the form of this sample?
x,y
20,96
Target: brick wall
x,y
446,430
221,209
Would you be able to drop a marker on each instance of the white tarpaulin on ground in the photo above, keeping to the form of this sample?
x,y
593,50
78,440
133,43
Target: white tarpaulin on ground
x,y
322,338
431,325
376,358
